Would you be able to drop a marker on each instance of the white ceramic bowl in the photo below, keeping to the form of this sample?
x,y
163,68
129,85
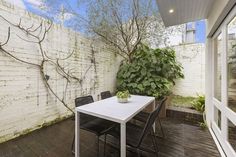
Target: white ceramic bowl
x,y
122,100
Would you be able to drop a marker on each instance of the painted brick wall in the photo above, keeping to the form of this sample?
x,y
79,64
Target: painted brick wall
x,y
25,103
192,58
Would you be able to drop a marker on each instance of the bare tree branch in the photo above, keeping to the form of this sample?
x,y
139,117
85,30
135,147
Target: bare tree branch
x,y
8,37
45,58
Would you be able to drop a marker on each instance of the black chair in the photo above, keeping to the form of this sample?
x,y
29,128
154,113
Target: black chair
x,y
143,116
138,137
105,94
92,124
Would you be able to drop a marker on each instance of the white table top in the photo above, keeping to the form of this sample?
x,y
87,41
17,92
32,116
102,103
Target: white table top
x,y
111,109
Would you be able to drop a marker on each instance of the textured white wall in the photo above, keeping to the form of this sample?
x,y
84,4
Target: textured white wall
x,y
25,103
192,58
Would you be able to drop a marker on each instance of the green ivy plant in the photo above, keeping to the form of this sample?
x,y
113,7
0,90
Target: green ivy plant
x,y
152,72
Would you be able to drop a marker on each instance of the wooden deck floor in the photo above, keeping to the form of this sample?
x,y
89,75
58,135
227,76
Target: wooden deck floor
x,y
182,140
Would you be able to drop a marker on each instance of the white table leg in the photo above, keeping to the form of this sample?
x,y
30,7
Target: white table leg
x,y
153,108
77,129
123,140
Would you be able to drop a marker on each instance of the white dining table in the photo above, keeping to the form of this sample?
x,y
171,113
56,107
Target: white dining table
x,y
111,109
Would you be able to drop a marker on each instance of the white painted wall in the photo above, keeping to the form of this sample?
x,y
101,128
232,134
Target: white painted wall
x,y
192,58
25,103
213,19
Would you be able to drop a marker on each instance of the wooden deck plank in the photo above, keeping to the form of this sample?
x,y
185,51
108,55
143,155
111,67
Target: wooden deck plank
x,y
182,140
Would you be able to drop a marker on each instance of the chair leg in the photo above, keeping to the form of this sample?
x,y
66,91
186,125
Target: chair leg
x,y
105,143
138,151
104,155
154,143
159,121
98,141
72,145
155,140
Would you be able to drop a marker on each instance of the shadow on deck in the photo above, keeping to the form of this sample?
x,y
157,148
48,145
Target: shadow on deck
x,y
182,140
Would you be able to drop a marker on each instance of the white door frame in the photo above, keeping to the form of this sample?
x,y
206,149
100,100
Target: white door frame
x,y
226,113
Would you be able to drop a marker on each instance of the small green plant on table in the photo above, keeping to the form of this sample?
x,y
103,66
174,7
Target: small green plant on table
x,y
123,96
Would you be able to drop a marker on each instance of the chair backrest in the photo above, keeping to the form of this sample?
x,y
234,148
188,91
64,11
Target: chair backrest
x,y
80,101
150,121
105,94
83,100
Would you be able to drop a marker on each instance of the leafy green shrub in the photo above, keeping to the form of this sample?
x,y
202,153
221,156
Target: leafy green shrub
x,y
199,103
152,72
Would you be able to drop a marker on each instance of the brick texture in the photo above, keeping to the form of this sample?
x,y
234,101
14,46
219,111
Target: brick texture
x,y
192,58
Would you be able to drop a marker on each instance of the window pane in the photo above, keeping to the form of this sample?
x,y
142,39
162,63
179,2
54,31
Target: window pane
x,y
232,134
217,117
232,64
218,52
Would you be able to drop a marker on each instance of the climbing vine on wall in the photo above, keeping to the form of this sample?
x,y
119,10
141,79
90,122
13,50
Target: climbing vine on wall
x,y
37,35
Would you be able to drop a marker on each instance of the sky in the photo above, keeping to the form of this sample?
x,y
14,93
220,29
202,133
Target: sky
x,y
33,6
201,31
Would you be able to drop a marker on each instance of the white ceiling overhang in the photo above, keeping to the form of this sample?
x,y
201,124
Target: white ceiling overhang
x,y
183,10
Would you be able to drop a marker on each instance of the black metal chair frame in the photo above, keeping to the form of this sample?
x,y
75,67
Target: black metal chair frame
x,y
147,129
106,94
142,117
83,101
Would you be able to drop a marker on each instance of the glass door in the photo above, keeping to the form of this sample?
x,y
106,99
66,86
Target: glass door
x,y
218,48
224,85
231,84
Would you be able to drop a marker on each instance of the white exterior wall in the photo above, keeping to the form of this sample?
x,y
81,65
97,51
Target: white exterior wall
x,y
192,58
25,102
213,19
